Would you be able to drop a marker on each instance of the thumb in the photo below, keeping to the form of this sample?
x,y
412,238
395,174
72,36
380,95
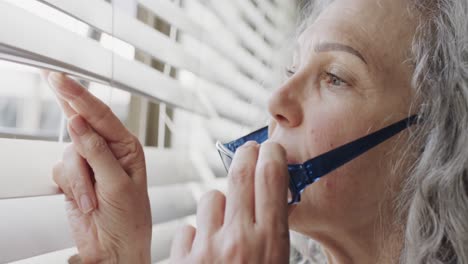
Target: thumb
x,y
107,170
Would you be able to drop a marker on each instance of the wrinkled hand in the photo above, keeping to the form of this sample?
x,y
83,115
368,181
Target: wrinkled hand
x,y
103,176
250,224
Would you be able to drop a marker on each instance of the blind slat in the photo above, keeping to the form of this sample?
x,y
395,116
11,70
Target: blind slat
x,y
50,232
35,179
226,10
273,13
218,40
28,35
259,20
157,44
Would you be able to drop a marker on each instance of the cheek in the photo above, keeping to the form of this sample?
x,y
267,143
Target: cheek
x,y
324,133
351,189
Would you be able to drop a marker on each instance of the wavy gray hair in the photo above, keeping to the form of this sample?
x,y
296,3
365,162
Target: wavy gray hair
x,y
434,200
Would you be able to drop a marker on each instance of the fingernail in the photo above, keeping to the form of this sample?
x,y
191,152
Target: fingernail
x,y
86,205
54,79
57,82
78,125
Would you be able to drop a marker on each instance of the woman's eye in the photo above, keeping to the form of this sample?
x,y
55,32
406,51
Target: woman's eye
x,y
333,80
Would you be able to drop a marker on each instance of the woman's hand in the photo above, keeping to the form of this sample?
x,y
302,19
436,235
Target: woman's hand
x,y
250,225
103,176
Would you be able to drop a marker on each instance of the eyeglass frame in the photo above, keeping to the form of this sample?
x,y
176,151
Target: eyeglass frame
x,y
303,175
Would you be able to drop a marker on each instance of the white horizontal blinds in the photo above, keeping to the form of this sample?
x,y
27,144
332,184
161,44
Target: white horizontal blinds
x,y
163,48
224,56
85,58
258,19
23,237
34,177
221,41
278,15
175,187
224,9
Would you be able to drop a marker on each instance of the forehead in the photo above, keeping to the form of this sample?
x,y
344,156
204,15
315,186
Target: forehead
x,y
380,30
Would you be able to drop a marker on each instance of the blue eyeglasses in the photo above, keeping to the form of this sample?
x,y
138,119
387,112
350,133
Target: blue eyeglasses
x,y
302,175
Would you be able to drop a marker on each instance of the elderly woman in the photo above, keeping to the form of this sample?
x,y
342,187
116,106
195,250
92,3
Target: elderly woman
x,y
359,66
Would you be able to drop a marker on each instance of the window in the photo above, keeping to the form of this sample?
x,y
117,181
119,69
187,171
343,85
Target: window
x,y
179,74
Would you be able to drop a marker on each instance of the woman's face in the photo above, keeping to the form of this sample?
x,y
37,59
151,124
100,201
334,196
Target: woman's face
x,y
350,76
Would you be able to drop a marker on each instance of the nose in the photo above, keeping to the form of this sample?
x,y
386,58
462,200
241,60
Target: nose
x,y
285,105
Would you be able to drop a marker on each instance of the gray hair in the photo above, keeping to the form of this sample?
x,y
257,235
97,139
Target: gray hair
x,y
434,199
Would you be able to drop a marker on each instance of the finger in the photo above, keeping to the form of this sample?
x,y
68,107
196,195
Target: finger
x,y
69,112
96,113
78,174
271,185
182,243
67,109
95,150
210,214
240,194
59,178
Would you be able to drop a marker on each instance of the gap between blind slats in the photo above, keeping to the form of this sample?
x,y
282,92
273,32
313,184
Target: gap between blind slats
x,y
273,12
256,16
158,45
27,35
219,41
226,10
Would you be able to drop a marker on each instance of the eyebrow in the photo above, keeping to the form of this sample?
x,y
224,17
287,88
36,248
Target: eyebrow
x,y
332,46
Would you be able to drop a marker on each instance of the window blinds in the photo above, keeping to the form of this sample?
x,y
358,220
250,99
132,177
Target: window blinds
x,y
225,49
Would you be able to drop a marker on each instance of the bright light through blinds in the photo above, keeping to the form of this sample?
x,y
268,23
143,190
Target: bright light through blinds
x,y
217,61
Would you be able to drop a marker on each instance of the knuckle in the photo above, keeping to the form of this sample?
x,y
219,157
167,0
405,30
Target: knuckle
x,y
134,148
96,145
136,141
130,153
104,112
